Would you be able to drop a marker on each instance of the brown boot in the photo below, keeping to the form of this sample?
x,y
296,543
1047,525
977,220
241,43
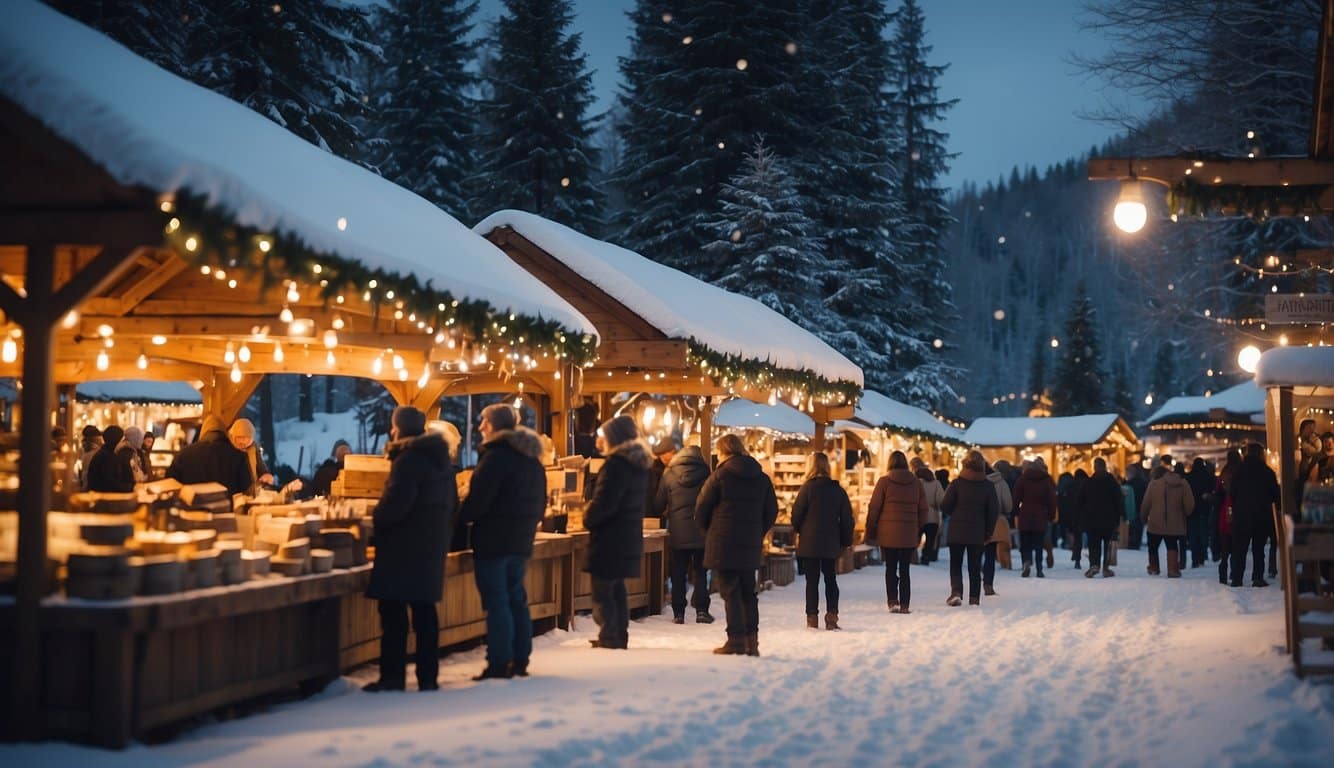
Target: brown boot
x,y
1173,565
735,646
831,621
752,645
813,621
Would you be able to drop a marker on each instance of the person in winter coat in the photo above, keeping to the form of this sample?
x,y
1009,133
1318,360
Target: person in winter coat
x,y
89,445
1138,480
896,514
146,453
212,459
998,543
935,493
1035,503
104,468
1167,503
507,497
242,435
413,520
1065,505
822,517
615,523
322,483
1075,524
675,500
1202,481
1224,503
972,507
1255,495
129,457
737,506
1102,504
663,452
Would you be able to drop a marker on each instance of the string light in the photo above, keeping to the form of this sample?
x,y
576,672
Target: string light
x,y
236,374
286,315
10,351
243,354
103,360
229,356
70,319
277,353
330,339
142,362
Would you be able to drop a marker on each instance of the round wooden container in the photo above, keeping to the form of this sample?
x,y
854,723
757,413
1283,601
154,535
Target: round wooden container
x,y
288,566
229,552
204,569
110,534
321,561
258,562
162,575
296,549
100,573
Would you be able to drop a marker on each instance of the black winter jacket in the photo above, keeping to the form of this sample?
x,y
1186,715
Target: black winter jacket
x,y
105,473
413,521
1101,502
1253,491
507,494
972,506
822,516
736,507
615,516
212,460
676,497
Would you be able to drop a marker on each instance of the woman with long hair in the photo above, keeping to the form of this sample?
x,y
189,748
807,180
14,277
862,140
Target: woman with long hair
x,y
897,514
822,517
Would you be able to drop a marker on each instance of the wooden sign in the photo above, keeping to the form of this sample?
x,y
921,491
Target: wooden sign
x,y
1294,309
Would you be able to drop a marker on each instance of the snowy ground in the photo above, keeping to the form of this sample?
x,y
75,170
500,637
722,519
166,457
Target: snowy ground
x,y
1053,672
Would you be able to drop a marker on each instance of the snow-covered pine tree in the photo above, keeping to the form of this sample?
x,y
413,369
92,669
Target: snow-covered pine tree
x,y
282,60
914,108
536,150
1078,388
426,117
767,247
156,31
702,79
1123,399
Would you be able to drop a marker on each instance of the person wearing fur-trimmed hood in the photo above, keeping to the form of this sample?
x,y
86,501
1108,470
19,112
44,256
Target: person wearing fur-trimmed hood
x,y
506,499
615,523
413,520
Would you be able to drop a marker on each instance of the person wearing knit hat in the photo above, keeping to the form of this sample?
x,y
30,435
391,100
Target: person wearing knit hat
x,y
129,464
408,422
242,435
90,443
615,522
212,459
104,475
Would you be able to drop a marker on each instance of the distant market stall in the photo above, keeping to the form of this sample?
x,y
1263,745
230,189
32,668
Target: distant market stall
x,y
1066,443
152,229
1207,425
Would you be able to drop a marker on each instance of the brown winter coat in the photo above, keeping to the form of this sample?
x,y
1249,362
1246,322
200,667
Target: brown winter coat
x,y
1035,499
1001,533
897,512
1168,501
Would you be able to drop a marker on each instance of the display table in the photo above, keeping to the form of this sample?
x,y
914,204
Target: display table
x,y
646,594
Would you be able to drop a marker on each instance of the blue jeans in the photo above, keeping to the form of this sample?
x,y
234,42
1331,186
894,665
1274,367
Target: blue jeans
x,y
509,628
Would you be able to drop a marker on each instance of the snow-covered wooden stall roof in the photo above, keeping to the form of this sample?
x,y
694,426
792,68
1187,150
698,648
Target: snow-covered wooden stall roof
x,y
199,222
1023,432
1238,407
653,318
1308,370
139,391
779,417
880,412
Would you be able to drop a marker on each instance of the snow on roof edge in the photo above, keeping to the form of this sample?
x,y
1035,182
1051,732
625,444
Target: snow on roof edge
x,y
1296,367
1244,399
995,432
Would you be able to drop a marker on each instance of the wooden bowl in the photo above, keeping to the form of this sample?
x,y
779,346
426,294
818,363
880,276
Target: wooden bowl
x,y
321,561
288,566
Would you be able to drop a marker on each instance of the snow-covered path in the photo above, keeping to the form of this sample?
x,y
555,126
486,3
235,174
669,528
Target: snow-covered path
x,y
1060,671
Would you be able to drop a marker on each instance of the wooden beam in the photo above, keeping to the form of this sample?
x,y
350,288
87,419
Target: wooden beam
x,y
77,371
597,379
828,414
122,227
1260,172
170,266
225,399
488,384
1322,113
656,354
94,278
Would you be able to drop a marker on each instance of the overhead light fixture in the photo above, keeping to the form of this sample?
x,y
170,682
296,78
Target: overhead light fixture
x,y
1130,214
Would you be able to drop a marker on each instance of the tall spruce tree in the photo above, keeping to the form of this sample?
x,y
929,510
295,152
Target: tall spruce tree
x,y
914,109
156,31
1163,382
536,148
1078,388
1123,399
281,59
700,83
769,245
427,116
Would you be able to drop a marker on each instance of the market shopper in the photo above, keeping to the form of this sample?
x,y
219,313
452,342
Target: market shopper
x,y
663,452
212,459
1167,503
104,468
1035,507
998,543
1223,496
129,457
615,523
146,453
822,518
322,483
242,435
507,497
677,493
972,508
935,493
413,520
1202,482
737,506
1137,479
896,514
1101,505
1255,495
91,441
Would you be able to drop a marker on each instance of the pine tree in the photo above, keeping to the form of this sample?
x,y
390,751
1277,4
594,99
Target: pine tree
x,y
280,60
769,245
426,117
1078,385
699,85
156,31
1163,382
914,107
536,146
1123,399
1037,372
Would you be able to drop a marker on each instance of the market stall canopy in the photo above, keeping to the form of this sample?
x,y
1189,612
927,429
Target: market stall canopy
x,y
878,411
1243,404
743,414
204,154
728,334
139,391
1056,430
1309,370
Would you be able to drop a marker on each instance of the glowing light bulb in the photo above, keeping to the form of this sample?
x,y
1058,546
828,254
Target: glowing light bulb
x,y
773,398
277,353
142,362
330,339
398,362
1055,342
286,315
649,413
741,64
293,295
329,359
402,374
1130,214
103,360
10,351
1148,399
243,354
229,356
70,319
191,244
338,323
105,330
377,365
1248,358
425,377
236,374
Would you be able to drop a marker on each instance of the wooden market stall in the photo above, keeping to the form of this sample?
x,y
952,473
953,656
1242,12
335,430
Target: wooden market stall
x,y
1300,384
152,229
1207,425
1065,443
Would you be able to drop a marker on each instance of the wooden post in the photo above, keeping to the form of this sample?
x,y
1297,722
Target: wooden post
x,y
1287,475
706,430
817,440
34,492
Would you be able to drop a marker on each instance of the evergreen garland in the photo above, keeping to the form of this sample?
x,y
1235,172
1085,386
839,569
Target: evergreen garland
x,y
1191,198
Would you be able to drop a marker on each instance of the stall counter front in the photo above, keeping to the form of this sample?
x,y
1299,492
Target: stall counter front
x,y
645,595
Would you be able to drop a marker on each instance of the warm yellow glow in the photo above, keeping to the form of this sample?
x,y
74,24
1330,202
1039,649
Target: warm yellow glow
x,y
229,355
159,340
1248,358
105,330
236,374
142,362
103,360
10,351
286,315
70,319
243,354
1130,214
377,365
277,353
330,339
